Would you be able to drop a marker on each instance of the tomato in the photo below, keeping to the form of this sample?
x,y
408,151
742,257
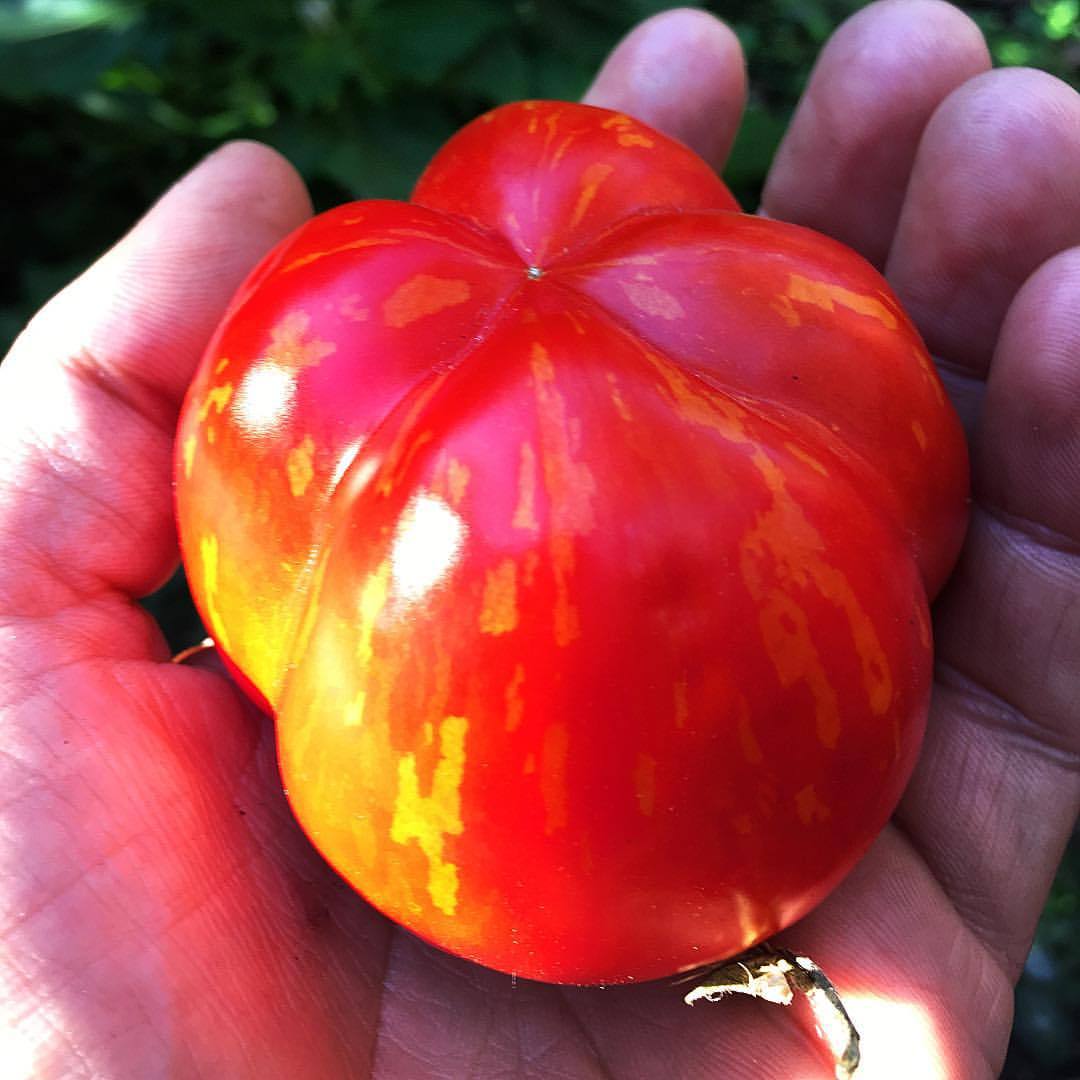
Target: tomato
x,y
579,532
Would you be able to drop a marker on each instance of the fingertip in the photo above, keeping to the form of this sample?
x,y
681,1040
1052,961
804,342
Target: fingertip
x,y
888,35
992,196
1003,103
682,72
1028,452
844,164
931,17
247,176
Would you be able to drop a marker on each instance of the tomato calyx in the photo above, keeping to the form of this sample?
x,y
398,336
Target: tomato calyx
x,y
778,975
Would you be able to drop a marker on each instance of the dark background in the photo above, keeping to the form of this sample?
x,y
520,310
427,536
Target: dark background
x,y
104,102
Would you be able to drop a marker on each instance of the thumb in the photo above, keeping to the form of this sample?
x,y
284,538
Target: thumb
x,y
90,393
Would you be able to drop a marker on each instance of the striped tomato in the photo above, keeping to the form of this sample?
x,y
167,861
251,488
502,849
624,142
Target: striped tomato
x,y
579,532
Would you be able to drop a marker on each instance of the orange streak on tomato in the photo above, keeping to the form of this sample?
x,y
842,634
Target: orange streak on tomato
x,y
515,701
682,705
530,564
617,399
188,447
565,615
920,434
827,296
353,245
809,806
429,819
568,481
313,577
561,150
591,179
554,751
628,132
783,306
645,783
650,299
806,457
458,474
217,399
208,557
373,597
786,539
525,510
351,308
698,403
292,347
499,613
423,295
298,464
748,743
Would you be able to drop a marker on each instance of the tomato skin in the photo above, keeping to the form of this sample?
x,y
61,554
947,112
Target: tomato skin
x,y
580,532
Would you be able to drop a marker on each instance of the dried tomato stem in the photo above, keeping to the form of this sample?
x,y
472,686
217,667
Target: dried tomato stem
x,y
777,975
185,655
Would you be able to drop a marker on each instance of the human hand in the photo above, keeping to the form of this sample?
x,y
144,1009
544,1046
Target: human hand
x,y
163,914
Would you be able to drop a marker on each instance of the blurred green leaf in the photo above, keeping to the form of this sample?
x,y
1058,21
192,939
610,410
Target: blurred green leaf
x,y
1061,19
131,76
497,72
316,75
62,65
810,15
753,152
1012,53
35,19
560,78
419,40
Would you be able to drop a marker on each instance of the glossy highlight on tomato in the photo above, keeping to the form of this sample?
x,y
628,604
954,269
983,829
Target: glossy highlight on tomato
x,y
579,532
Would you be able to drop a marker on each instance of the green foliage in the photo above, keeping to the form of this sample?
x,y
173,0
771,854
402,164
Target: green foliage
x,y
104,102
1045,1043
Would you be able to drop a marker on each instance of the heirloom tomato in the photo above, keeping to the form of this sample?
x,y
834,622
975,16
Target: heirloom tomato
x,y
578,530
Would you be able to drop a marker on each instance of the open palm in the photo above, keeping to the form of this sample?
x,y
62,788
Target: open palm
x,y
160,912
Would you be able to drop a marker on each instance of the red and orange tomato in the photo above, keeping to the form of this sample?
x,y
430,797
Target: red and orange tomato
x,y
579,531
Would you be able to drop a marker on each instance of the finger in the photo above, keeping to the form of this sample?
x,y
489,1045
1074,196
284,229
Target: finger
x,y
90,393
1028,453
844,164
994,193
682,72
1005,730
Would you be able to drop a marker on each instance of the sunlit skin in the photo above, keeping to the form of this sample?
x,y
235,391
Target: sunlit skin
x,y
161,913
579,532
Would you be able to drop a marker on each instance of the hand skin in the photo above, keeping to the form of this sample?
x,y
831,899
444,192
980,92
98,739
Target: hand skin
x,y
161,913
